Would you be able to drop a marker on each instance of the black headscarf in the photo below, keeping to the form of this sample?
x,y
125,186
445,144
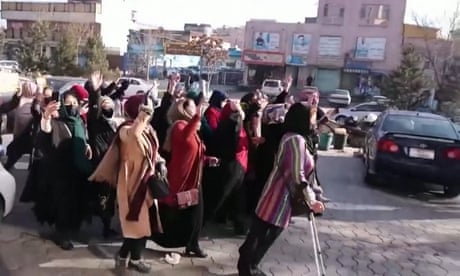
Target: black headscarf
x,y
297,120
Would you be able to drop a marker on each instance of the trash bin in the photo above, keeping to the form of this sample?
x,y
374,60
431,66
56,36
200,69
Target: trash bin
x,y
325,141
340,138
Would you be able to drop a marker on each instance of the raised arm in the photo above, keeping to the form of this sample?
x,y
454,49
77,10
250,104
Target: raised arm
x,y
192,127
140,123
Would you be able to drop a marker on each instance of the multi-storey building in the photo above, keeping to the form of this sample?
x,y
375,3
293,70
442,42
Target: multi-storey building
x,y
109,18
348,44
232,35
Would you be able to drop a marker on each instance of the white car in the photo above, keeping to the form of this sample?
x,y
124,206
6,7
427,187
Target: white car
x,y
339,97
9,65
136,85
7,192
359,111
272,88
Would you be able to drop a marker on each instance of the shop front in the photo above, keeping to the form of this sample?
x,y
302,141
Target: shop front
x,y
327,79
353,74
263,65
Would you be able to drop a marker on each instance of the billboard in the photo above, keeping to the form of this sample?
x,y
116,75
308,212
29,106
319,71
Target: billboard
x,y
371,48
264,41
301,43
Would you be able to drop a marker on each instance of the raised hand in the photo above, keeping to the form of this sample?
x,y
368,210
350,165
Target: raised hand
x,y
51,108
96,80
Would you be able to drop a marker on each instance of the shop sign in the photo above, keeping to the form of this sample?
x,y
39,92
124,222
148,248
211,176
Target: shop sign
x,y
264,41
296,60
182,48
370,48
330,46
263,58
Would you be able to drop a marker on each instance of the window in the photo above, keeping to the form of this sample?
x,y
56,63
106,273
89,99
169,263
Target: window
x,y
420,125
370,107
326,10
372,14
342,12
134,82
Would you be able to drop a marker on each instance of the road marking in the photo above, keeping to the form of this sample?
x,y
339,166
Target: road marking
x,y
82,263
360,207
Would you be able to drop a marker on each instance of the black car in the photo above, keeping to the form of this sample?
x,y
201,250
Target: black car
x,y
413,145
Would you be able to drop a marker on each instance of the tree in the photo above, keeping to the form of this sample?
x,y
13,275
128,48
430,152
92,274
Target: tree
x,y
96,58
212,54
404,85
31,54
441,58
65,56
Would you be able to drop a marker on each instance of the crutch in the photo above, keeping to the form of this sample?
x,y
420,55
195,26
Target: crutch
x,y
319,261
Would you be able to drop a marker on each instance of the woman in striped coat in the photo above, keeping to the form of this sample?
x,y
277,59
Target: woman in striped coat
x,y
293,166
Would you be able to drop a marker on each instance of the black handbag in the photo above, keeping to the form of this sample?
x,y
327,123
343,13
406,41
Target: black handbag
x,y
158,181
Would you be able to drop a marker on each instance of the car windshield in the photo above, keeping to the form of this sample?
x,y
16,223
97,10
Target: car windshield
x,y
419,125
271,84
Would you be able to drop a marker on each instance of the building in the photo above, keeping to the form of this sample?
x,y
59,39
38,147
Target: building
x,y
232,35
349,45
91,16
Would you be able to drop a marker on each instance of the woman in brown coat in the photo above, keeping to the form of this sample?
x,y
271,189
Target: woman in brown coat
x,y
133,150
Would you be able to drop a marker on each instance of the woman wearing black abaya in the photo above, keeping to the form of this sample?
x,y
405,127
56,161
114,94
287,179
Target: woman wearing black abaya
x,y
228,192
101,131
63,193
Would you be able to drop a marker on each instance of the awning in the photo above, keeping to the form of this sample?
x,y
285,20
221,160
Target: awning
x,y
356,68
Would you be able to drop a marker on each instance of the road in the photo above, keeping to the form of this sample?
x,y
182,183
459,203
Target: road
x,y
366,231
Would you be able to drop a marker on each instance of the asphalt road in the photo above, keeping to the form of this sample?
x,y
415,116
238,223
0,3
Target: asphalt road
x,y
366,231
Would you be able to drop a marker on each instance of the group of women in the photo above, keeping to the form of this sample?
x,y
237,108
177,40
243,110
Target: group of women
x,y
223,162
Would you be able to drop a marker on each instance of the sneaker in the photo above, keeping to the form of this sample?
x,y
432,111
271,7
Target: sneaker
x,y
139,266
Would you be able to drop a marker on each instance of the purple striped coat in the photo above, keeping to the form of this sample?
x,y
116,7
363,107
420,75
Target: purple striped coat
x,y
293,164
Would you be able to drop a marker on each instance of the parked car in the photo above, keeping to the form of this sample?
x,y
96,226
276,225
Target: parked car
x,y
135,85
10,65
339,98
359,111
7,192
413,145
271,88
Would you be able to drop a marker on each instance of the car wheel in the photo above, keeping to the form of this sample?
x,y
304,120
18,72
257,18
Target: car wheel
x,y
451,191
341,120
369,178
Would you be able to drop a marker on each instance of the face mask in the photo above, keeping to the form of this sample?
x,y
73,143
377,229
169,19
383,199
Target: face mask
x,y
108,113
72,110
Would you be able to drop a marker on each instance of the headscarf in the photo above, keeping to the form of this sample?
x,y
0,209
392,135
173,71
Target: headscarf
x,y
229,109
297,120
217,98
81,93
77,129
177,112
133,104
29,89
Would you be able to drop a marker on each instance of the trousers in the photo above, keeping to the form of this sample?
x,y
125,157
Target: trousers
x,y
132,248
261,237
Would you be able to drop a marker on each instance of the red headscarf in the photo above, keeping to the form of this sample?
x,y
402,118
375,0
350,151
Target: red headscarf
x,y
81,92
132,105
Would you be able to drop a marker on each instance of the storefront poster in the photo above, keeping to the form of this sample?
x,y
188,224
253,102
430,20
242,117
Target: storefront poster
x,y
370,48
301,43
330,46
263,58
264,41
296,60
